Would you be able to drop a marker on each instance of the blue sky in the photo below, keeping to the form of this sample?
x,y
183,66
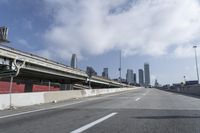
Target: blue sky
x,y
161,33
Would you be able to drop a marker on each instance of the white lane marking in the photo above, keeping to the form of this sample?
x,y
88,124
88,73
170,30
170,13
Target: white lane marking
x,y
59,106
83,128
38,110
145,93
137,99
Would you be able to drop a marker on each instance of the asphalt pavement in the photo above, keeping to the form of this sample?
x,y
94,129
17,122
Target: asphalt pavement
x,y
138,111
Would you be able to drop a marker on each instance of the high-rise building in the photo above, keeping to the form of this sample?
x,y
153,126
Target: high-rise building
x,y
74,61
141,77
134,78
146,74
105,73
130,76
90,71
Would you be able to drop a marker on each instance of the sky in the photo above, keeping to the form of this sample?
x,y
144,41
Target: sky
x,y
160,32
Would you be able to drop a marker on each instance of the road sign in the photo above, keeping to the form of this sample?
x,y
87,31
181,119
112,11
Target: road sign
x,y
3,34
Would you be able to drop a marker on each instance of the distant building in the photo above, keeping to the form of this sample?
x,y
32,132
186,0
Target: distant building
x,y
146,74
130,76
193,82
116,80
134,78
123,81
141,77
74,61
156,84
90,71
105,73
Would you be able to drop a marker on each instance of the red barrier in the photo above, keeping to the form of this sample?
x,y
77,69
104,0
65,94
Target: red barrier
x,y
16,88
20,88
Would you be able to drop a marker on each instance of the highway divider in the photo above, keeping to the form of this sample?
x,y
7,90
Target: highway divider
x,y
187,89
28,99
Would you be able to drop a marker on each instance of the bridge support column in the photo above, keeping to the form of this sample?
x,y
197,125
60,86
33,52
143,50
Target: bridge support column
x,y
28,86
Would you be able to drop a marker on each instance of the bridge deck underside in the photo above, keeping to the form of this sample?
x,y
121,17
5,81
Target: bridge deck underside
x,y
33,75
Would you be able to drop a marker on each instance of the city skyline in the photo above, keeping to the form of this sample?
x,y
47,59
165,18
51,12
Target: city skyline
x,y
99,66
35,29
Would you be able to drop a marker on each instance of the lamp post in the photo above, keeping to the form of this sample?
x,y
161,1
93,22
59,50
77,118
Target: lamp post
x,y
120,67
195,47
18,67
184,77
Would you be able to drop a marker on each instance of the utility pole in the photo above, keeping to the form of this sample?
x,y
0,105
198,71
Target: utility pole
x,y
195,47
120,67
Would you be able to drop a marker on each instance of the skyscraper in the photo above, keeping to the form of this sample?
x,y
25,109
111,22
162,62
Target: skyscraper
x,y
134,78
141,77
105,73
130,76
74,61
90,71
146,74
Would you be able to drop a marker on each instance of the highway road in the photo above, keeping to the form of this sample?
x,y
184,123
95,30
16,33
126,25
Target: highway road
x,y
137,111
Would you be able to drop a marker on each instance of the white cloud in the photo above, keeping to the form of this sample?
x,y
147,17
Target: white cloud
x,y
23,42
145,27
185,51
153,78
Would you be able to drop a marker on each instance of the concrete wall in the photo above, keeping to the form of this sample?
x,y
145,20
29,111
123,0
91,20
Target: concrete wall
x,y
193,90
4,101
61,95
27,99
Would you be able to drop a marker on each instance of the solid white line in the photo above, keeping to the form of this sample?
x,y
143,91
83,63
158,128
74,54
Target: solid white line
x,y
83,128
137,99
59,106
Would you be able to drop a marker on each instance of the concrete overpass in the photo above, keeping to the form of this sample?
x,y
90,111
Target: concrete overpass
x,y
39,68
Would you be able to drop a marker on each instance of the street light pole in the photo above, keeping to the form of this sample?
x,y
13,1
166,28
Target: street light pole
x,y
195,47
120,66
184,77
10,91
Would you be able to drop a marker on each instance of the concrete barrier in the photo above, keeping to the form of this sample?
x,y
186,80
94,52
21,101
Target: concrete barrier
x,y
61,95
192,89
4,101
27,99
